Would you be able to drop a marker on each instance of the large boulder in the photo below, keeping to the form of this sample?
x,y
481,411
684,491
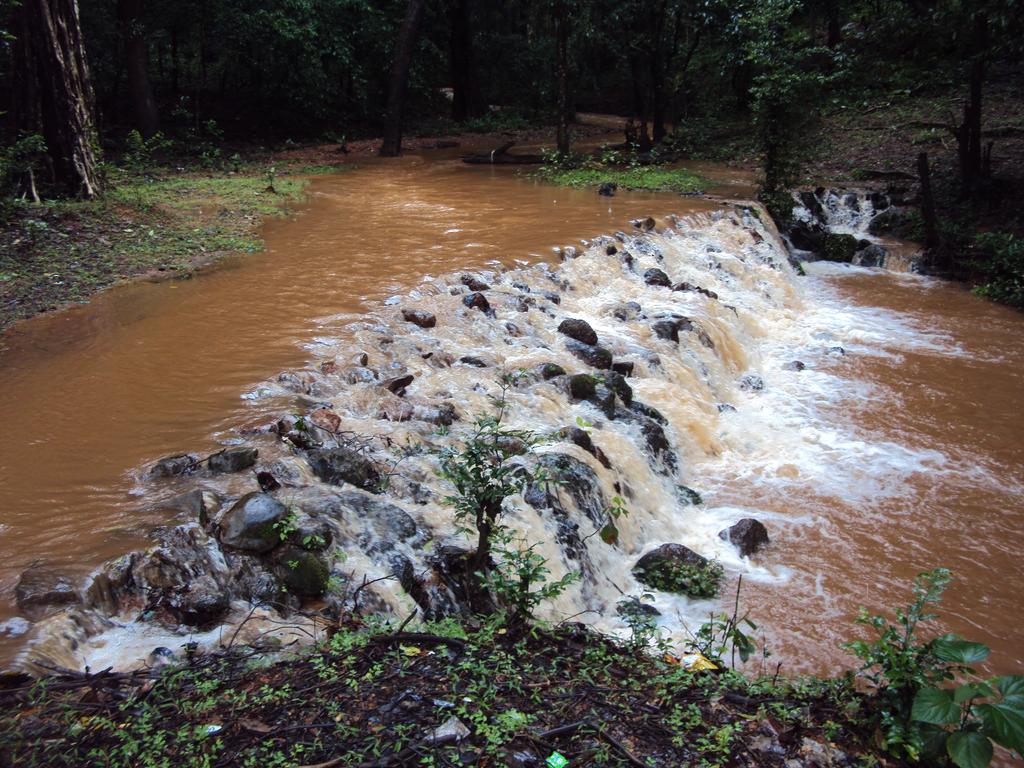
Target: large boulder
x,y
579,330
250,523
232,460
873,255
341,465
747,535
41,590
675,568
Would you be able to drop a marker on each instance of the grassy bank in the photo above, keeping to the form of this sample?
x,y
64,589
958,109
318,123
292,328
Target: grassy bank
x,y
651,178
444,695
163,222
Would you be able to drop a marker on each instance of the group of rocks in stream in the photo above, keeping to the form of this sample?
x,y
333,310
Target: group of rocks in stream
x,y
276,521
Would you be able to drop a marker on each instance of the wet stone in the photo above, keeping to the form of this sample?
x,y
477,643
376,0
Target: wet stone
x,y
474,283
592,355
666,329
473,362
579,330
478,301
41,590
623,368
582,386
249,524
794,365
751,382
419,317
655,276
173,466
302,572
607,189
398,384
629,310
341,465
549,371
747,535
232,460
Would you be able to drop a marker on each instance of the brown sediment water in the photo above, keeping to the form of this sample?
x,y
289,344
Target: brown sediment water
x,y
92,394
900,455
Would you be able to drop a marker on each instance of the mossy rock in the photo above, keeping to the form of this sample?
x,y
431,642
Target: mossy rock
x,y
303,573
675,568
839,248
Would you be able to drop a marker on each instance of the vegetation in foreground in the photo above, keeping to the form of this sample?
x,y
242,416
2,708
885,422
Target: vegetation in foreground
x,y
502,688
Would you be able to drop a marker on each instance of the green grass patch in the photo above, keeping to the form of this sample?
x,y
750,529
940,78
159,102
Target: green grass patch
x,y
650,178
64,251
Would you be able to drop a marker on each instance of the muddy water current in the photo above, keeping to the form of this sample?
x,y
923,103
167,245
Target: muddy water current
x,y
900,453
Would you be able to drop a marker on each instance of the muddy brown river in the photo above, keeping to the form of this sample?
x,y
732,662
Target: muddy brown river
x,y
903,454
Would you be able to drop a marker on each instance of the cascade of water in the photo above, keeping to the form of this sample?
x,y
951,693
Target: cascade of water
x,y
690,381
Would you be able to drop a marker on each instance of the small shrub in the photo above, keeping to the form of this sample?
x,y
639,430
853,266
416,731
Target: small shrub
x,y
999,260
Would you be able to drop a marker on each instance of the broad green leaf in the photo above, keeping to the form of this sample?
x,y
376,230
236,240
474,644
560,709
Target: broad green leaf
x,y
610,534
1004,723
957,651
934,745
934,705
969,749
972,690
1012,688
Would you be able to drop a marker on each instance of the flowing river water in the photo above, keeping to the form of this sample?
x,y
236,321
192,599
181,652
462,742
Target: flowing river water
x,y
902,454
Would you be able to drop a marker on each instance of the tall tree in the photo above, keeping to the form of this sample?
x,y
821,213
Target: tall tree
x,y
561,13
467,100
407,34
144,111
53,93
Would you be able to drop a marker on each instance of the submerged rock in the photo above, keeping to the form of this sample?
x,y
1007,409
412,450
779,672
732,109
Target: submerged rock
x,y
477,300
592,355
872,255
655,276
607,189
794,365
675,568
582,438
41,591
628,310
341,465
232,460
582,386
419,317
474,283
202,604
249,524
579,330
747,535
623,368
687,495
172,466
751,382
666,329
549,371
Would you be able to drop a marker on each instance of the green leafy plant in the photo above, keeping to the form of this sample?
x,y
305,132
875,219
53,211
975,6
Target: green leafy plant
x,y
918,716
507,571
999,260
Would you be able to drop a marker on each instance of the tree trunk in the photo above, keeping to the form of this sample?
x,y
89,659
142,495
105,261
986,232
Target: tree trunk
x,y
392,144
657,98
53,92
931,229
562,76
467,102
969,133
146,119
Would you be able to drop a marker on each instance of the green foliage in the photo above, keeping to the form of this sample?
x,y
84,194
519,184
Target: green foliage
x,y
919,716
484,476
17,160
695,580
650,178
999,259
139,153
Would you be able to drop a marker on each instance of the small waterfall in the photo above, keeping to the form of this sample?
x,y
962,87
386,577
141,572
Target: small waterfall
x,y
849,225
684,311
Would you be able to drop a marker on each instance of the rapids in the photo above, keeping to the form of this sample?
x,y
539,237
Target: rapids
x,y
893,449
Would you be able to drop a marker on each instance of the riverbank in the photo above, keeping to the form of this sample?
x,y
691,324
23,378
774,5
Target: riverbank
x,y
164,223
444,694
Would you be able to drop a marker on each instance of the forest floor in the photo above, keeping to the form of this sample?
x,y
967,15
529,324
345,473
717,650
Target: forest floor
x,y
500,694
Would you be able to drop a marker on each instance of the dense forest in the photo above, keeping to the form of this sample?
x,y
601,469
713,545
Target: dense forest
x,y
98,80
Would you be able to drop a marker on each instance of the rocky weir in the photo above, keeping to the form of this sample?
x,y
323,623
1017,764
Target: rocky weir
x,y
625,356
